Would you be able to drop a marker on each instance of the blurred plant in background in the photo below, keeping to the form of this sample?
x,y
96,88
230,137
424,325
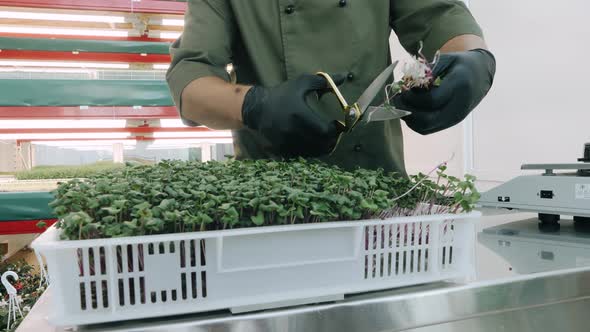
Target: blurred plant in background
x,y
29,289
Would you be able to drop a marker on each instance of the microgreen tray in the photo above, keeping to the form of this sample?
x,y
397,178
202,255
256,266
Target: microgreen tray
x,y
105,280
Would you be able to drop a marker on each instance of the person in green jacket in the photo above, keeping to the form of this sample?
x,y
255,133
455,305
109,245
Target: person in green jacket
x,y
277,46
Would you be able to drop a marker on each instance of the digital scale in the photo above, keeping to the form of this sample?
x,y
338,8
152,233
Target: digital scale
x,y
550,194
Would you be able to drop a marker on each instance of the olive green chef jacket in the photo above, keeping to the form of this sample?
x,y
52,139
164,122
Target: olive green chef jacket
x,y
270,41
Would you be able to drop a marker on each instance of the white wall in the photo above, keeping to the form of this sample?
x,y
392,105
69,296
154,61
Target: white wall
x,y
537,110
16,242
7,156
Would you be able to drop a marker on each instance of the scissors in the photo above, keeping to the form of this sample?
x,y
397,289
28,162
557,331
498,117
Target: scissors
x,y
360,111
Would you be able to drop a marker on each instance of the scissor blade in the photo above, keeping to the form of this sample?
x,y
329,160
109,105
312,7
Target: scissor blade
x,y
375,87
382,113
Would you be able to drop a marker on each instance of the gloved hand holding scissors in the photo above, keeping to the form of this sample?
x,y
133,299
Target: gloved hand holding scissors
x,y
466,79
282,115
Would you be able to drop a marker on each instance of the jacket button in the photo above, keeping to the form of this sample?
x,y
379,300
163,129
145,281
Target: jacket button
x,y
342,3
350,76
289,9
358,148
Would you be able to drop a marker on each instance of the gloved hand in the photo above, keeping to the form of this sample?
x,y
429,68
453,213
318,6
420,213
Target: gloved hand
x,y
466,79
282,115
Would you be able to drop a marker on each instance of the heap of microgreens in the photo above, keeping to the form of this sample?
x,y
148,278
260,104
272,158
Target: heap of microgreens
x,y
176,196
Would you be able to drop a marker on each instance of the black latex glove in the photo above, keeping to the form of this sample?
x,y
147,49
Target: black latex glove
x,y
466,79
282,115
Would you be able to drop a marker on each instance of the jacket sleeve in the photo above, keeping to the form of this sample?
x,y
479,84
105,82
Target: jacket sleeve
x,y
434,22
204,48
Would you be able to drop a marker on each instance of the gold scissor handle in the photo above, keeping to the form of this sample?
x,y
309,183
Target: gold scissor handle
x,y
352,113
335,89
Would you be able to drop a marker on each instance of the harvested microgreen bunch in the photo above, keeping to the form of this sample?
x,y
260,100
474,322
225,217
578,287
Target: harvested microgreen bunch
x,y
176,196
417,74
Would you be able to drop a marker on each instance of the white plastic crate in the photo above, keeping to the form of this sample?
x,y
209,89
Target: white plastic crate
x,y
249,269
